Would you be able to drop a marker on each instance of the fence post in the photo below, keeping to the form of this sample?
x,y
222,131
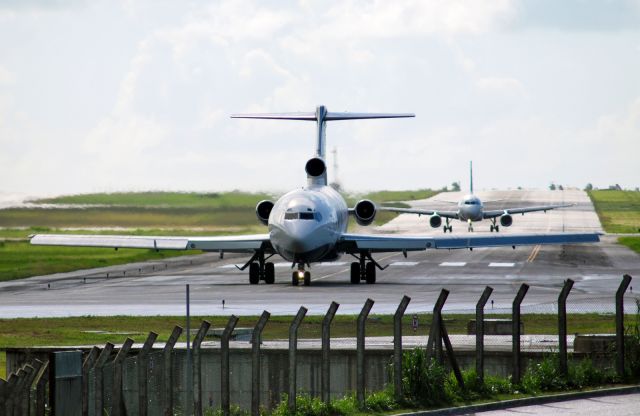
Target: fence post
x,y
435,333
7,405
362,320
41,385
23,394
117,405
516,331
4,386
88,363
14,402
256,339
104,356
37,367
480,332
224,364
562,326
397,346
326,348
167,367
626,280
293,346
197,367
143,369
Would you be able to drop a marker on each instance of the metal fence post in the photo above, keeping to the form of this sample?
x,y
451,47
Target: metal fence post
x,y
167,373
7,405
88,363
397,346
22,401
626,280
40,387
256,339
224,364
362,320
293,346
562,326
516,332
37,367
480,332
3,392
14,401
326,349
197,367
104,356
143,369
435,333
117,406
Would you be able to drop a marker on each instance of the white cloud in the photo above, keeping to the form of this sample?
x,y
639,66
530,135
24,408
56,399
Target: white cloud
x,y
6,77
501,85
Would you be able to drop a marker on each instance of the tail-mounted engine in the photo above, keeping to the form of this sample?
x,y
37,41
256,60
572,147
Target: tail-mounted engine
x,y
263,210
435,221
365,212
506,220
316,171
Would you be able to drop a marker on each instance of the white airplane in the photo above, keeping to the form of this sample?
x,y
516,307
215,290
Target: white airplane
x,y
309,225
471,209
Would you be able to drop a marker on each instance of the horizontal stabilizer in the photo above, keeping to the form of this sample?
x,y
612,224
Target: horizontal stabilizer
x,y
328,116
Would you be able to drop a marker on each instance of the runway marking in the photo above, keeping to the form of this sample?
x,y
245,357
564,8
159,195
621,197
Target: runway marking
x,y
501,264
282,264
404,263
230,266
534,253
453,264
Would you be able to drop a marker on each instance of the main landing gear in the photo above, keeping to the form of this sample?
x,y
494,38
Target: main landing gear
x,y
364,270
301,275
494,227
447,226
260,269
470,229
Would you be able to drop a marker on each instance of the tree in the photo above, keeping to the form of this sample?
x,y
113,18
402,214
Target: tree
x,y
589,187
552,187
560,188
455,186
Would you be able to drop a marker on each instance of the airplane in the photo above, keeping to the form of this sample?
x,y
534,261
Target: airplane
x,y
471,209
309,225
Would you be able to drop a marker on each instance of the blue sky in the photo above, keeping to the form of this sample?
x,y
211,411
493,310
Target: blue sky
x,y
135,95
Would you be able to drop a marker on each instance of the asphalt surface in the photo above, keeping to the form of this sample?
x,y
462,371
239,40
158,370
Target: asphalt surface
x,y
158,288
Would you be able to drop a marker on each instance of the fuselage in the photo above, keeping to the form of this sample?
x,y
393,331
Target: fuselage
x,y
306,224
470,208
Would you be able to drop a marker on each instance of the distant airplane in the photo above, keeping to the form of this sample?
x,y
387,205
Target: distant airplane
x,y
470,210
309,225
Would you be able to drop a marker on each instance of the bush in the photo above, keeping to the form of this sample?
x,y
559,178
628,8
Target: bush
x,y
423,380
632,346
544,376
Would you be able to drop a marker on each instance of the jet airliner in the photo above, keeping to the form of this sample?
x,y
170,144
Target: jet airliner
x,y
309,225
471,209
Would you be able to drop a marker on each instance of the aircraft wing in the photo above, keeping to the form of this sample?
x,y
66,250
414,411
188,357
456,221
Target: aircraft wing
x,y
445,214
353,243
499,212
240,244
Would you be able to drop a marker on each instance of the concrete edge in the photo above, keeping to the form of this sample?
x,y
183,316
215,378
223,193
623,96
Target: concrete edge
x,y
528,401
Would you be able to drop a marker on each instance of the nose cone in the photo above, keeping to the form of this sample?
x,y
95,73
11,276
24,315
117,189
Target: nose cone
x,y
301,236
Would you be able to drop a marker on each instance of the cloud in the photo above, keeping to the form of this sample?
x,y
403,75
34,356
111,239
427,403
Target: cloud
x,y
501,85
6,77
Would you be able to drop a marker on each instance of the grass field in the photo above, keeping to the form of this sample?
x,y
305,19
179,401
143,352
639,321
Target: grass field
x,y
619,211
72,331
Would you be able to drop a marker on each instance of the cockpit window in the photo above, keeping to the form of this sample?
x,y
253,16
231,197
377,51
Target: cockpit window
x,y
472,202
306,215
299,216
290,215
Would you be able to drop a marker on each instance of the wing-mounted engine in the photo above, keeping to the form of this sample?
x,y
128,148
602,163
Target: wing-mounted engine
x,y
365,212
263,210
316,171
506,220
435,221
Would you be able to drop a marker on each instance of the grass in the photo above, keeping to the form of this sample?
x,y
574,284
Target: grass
x,y
20,259
619,211
632,242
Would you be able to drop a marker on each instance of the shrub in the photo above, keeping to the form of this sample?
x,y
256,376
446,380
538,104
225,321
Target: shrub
x,y
423,380
544,376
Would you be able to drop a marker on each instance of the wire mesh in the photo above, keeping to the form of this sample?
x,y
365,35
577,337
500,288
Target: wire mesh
x,y
130,385
107,386
155,396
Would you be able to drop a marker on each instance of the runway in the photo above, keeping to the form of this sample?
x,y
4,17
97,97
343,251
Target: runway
x,y
158,288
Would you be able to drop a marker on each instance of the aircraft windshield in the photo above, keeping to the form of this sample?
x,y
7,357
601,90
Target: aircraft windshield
x,y
299,216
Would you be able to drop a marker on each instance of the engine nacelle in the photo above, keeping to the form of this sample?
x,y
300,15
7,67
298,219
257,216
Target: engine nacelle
x,y
263,210
435,221
365,212
506,220
315,167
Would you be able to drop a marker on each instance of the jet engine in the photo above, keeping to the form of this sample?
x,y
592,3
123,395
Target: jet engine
x,y
365,212
435,221
315,167
506,220
263,210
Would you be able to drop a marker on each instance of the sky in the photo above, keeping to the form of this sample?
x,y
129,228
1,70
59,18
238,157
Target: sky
x,y
104,96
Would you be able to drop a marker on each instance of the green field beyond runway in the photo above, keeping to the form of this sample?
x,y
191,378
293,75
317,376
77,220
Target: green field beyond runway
x,y
619,212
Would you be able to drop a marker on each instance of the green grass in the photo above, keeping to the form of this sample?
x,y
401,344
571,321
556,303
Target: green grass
x,y
20,259
632,242
619,211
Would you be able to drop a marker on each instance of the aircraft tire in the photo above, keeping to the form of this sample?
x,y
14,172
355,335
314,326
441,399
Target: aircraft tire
x,y
294,279
254,273
491,227
370,273
307,278
355,273
497,228
269,273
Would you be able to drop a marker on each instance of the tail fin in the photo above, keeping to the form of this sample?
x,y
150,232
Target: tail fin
x,y
321,116
471,177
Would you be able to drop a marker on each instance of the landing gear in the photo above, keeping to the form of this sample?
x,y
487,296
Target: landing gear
x,y
260,269
494,227
364,270
301,274
470,229
447,227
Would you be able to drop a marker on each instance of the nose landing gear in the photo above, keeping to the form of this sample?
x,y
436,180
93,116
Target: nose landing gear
x,y
300,275
364,270
470,229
